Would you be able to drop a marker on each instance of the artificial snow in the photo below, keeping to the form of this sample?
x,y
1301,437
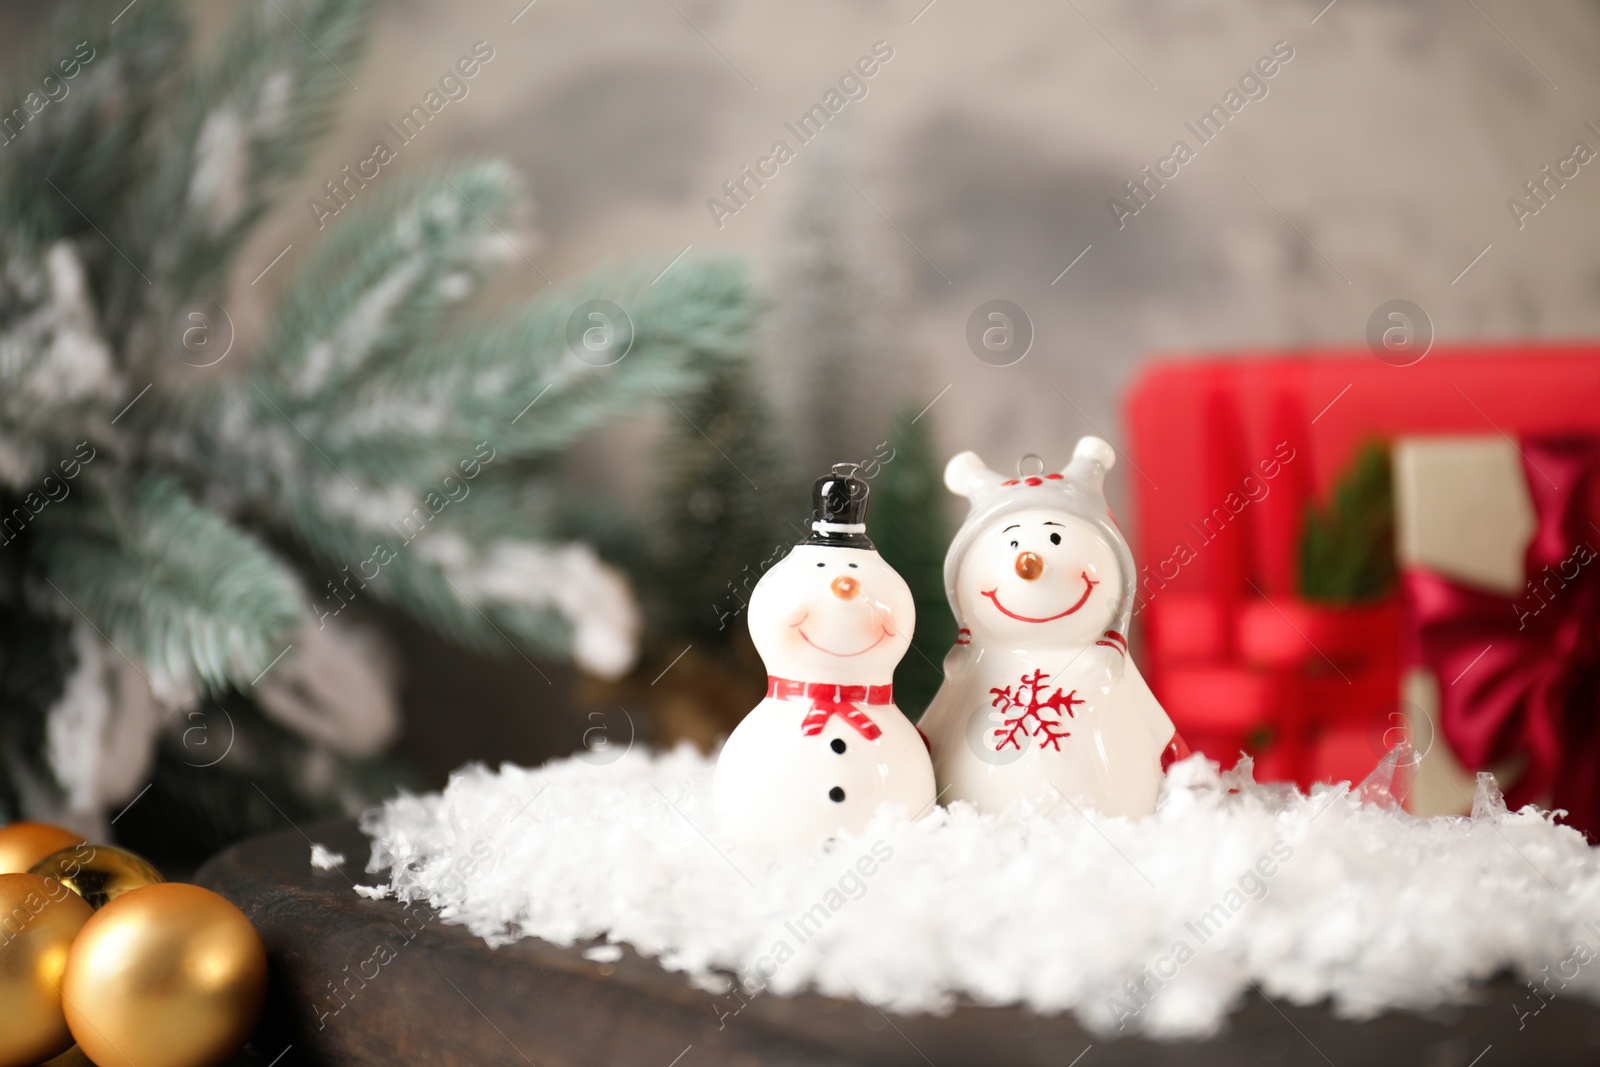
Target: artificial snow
x,y
569,579
58,369
1158,925
99,735
324,859
219,181
356,336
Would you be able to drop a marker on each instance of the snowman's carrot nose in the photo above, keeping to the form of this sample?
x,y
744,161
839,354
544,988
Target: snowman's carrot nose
x,y
1029,566
845,587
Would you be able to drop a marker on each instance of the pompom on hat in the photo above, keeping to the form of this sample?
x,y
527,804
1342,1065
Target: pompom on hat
x,y
1078,489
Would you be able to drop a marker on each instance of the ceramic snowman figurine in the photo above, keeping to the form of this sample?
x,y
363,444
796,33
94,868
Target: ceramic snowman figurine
x,y
827,747
1040,696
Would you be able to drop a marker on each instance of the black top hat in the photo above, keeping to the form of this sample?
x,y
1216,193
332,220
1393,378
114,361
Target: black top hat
x,y
839,510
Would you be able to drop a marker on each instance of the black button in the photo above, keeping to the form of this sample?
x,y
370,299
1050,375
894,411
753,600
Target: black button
x,y
837,744
836,795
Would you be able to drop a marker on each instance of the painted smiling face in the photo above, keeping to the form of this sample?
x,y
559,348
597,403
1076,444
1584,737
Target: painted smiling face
x,y
839,615
1039,576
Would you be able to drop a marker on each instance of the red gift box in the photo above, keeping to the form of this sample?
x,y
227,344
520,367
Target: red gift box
x,y
1227,453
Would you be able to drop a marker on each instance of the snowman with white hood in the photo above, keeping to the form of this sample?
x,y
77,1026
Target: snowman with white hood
x,y
1041,700
827,747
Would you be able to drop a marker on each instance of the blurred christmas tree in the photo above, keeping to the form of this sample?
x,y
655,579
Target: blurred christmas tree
x,y
736,470
178,547
726,508
838,327
736,475
730,504
909,524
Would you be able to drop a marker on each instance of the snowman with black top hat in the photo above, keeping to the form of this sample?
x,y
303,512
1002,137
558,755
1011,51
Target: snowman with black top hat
x,y
827,747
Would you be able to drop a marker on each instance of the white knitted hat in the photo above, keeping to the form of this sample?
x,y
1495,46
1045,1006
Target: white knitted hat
x,y
1079,490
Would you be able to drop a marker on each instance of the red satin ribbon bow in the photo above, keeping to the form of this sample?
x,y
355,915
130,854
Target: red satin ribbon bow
x,y
1523,675
829,700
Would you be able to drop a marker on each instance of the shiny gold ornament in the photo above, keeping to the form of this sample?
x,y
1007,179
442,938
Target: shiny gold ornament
x,y
98,873
38,920
22,844
167,974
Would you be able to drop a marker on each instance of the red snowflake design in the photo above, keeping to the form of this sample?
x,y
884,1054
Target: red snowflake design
x,y
1028,705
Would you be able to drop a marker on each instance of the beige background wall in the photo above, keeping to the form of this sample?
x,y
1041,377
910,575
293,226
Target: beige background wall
x,y
996,135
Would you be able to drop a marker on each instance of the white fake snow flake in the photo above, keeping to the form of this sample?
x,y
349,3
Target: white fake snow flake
x,y
354,337
221,171
272,105
371,509
100,734
371,892
1156,925
569,579
603,953
455,286
324,860
54,362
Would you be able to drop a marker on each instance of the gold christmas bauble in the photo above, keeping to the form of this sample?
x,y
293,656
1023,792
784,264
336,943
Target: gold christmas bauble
x,y
41,917
167,974
22,844
98,873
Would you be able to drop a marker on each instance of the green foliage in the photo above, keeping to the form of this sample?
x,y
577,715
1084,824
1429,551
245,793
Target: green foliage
x,y
172,584
378,283
386,409
839,324
243,124
728,508
908,523
74,162
1347,553
333,404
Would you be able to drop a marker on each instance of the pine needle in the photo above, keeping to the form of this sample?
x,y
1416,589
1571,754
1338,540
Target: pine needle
x,y
173,584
